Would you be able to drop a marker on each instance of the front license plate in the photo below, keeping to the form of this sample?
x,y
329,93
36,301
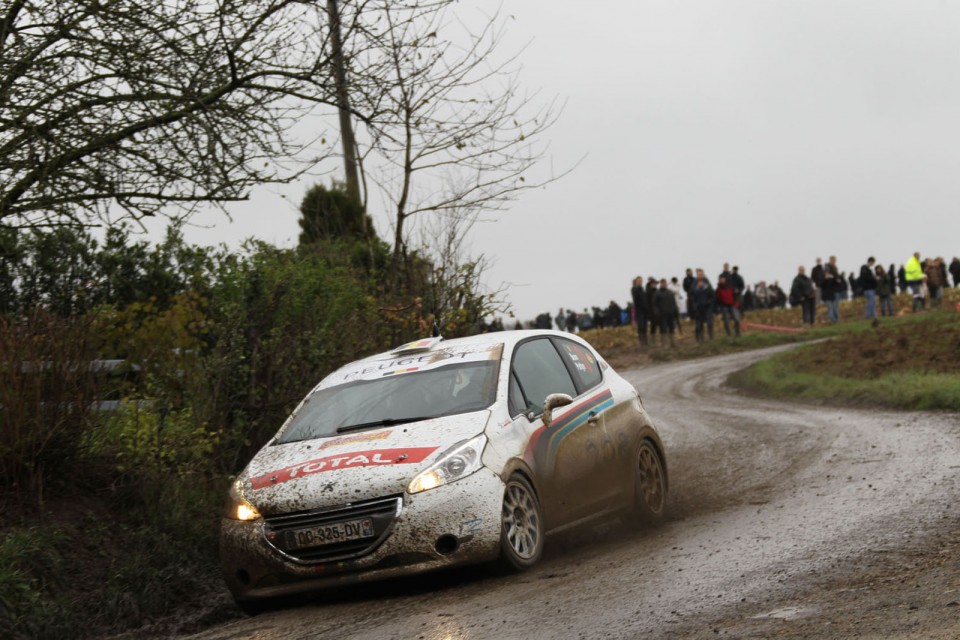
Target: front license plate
x,y
330,534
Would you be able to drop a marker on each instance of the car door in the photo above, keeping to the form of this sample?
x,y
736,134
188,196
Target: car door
x,y
597,403
622,422
567,457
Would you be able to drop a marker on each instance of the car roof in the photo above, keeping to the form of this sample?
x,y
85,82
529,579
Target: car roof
x,y
508,338
421,351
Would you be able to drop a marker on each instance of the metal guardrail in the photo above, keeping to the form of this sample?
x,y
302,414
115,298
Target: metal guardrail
x,y
95,366
111,367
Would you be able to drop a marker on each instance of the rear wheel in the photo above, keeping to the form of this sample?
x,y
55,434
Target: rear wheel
x,y
521,525
650,485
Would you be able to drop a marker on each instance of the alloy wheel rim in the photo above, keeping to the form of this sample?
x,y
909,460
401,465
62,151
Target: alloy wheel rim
x,y
521,521
651,480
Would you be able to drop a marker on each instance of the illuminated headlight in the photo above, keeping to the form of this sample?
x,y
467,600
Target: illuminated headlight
x,y
238,508
457,462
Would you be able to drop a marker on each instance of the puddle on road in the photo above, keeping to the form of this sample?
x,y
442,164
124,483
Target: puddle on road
x,y
786,613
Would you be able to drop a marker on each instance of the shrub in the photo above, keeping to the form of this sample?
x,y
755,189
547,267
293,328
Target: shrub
x,y
282,320
29,565
48,384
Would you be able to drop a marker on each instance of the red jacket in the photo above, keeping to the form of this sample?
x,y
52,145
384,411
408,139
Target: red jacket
x,y
725,295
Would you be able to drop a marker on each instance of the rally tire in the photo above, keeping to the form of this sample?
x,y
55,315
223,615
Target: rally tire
x,y
650,485
521,525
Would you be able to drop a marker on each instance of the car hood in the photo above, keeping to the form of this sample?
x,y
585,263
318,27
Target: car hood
x,y
328,472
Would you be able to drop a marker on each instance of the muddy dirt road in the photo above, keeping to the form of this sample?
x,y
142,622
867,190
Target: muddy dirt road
x,y
785,521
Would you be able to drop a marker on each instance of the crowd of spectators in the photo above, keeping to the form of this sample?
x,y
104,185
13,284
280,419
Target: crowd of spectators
x,y
657,305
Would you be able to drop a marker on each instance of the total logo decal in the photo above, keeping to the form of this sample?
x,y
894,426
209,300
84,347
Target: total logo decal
x,y
410,455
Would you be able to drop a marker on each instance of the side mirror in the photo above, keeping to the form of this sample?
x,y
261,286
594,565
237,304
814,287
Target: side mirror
x,y
551,402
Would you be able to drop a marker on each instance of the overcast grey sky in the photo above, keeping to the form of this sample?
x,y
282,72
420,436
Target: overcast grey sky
x,y
760,132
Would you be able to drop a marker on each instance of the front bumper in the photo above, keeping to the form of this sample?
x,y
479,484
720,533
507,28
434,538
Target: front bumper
x,y
453,524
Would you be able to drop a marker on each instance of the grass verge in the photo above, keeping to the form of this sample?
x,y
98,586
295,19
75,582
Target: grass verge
x,y
909,363
93,566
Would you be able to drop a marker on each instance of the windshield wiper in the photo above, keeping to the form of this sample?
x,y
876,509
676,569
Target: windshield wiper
x,y
386,422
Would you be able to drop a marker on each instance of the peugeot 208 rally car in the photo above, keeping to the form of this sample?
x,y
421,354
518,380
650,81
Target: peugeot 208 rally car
x,y
438,453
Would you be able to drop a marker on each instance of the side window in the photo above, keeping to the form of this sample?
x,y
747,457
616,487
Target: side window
x,y
515,400
540,371
582,362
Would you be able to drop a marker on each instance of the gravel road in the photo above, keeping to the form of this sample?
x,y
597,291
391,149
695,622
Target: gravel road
x,y
785,521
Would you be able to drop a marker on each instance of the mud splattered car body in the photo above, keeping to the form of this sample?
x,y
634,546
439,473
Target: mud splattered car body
x,y
438,453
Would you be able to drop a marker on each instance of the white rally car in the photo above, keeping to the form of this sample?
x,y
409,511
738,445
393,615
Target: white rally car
x,y
438,453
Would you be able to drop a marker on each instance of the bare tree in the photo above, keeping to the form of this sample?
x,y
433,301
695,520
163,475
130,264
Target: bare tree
x,y
452,127
347,138
144,104
457,297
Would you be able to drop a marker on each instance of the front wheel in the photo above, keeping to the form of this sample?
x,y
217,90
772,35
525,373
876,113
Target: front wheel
x,y
650,485
521,525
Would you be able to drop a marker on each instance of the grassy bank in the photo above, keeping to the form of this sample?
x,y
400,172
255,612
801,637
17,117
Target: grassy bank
x,y
89,567
910,362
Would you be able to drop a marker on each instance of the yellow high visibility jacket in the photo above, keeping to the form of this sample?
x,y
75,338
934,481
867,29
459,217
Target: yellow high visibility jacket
x,y
914,271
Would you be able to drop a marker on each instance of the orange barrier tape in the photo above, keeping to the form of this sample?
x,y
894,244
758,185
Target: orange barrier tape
x,y
771,327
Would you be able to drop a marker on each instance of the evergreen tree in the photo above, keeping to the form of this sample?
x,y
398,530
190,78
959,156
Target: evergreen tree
x,y
329,212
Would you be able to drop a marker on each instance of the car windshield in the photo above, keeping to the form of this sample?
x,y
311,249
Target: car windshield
x,y
397,399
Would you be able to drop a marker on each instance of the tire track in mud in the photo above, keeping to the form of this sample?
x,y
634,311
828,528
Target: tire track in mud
x,y
765,497
837,486
724,449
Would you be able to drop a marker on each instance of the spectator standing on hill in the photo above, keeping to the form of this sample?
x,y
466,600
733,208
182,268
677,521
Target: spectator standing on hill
x,y
832,285
868,284
885,290
599,319
654,318
901,278
613,314
702,296
935,281
816,274
585,320
777,297
725,273
560,319
855,289
955,271
803,295
739,286
570,322
913,275
844,286
668,310
727,301
736,281
681,299
640,310
761,295
688,281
